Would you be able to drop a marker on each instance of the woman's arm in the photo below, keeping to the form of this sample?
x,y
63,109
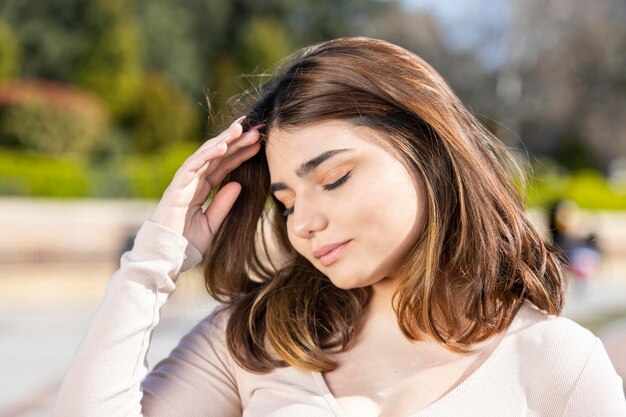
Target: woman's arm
x,y
106,373
197,378
599,390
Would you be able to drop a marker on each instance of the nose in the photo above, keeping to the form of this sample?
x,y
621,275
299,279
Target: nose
x,y
307,218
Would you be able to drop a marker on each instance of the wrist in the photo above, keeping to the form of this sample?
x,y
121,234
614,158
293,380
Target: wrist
x,y
169,220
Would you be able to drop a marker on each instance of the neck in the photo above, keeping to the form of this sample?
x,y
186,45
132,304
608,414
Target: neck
x,y
380,313
380,301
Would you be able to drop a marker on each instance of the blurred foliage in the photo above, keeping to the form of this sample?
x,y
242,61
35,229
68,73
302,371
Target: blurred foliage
x,y
42,175
10,52
545,77
149,175
574,153
173,49
112,64
263,44
164,115
45,117
589,189
63,176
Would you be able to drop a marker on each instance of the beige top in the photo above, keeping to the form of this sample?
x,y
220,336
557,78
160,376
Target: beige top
x,y
544,365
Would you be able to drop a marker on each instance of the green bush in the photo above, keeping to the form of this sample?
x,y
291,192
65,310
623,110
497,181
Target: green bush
x,y
589,189
148,175
49,118
164,116
43,176
111,66
10,52
263,44
143,176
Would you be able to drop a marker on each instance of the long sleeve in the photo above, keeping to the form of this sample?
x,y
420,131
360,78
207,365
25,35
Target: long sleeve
x,y
599,390
197,379
107,370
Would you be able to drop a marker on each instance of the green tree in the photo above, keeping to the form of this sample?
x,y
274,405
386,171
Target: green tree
x,y
50,118
51,33
112,65
262,44
164,115
169,44
10,52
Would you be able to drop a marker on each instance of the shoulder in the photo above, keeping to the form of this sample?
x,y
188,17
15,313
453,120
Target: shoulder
x,y
560,365
539,330
553,348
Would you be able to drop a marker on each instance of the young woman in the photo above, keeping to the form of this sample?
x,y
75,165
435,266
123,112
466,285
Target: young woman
x,y
371,253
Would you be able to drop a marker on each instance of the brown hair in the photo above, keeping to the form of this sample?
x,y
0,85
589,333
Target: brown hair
x,y
477,260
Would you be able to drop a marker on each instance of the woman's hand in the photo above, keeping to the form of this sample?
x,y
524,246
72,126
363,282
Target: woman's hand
x,y
180,207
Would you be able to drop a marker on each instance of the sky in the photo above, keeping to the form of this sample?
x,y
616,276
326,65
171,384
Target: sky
x,y
471,25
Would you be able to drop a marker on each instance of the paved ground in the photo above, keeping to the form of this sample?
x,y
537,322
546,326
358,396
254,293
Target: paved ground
x,y
43,320
56,258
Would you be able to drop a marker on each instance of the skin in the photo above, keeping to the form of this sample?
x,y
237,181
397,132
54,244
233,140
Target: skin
x,y
380,205
180,207
381,208
373,208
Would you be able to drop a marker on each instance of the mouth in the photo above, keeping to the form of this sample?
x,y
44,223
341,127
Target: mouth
x,y
332,255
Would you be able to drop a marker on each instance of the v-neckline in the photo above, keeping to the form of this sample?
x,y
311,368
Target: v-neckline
x,y
495,354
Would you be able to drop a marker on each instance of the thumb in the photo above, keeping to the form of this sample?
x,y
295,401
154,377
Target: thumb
x,y
221,205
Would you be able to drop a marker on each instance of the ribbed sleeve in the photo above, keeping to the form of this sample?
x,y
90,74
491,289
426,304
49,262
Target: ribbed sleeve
x,y
544,366
105,373
598,391
197,379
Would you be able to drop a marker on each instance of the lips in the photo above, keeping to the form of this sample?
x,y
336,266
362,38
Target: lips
x,y
326,249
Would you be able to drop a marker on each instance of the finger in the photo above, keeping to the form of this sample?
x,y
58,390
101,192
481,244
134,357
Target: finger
x,y
199,158
211,153
242,142
188,170
228,135
229,164
245,140
215,174
222,203
204,168
234,143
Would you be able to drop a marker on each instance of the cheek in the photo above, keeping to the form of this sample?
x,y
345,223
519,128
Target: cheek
x,y
299,244
390,216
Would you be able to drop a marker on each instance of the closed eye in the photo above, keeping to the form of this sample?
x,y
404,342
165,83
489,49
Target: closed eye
x,y
327,187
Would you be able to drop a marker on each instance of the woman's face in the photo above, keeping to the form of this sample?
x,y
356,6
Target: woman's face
x,y
338,186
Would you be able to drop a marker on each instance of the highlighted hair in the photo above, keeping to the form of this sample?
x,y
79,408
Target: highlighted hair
x,y
476,261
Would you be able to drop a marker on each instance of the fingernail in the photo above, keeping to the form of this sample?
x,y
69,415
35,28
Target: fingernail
x,y
238,120
255,127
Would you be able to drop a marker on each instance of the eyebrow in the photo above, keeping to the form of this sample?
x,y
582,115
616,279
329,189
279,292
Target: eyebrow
x,y
308,166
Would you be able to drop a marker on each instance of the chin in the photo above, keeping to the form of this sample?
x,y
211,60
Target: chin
x,y
346,283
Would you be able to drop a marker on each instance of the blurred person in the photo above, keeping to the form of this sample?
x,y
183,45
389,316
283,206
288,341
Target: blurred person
x,y
584,264
581,254
373,260
564,220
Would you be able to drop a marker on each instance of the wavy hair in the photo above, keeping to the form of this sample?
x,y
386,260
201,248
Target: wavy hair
x,y
476,261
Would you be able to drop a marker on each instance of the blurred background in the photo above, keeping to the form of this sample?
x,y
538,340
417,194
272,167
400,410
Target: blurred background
x,y
102,100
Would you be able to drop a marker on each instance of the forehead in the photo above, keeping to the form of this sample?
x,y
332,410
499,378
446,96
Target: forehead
x,y
287,149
